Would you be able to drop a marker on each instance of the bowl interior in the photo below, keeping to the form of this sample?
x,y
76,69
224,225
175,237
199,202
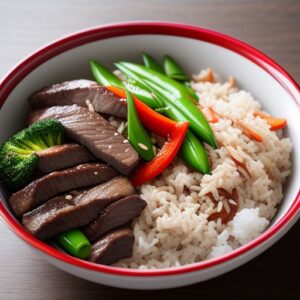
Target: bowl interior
x,y
193,56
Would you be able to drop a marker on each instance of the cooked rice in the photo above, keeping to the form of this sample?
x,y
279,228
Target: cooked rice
x,y
174,230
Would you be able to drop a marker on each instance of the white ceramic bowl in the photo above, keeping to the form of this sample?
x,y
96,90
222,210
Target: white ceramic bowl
x,y
195,48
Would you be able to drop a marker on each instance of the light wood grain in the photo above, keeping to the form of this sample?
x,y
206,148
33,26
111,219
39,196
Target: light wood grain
x,y
271,26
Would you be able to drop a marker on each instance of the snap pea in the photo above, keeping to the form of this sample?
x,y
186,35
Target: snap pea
x,y
132,75
192,151
190,91
75,243
162,110
151,63
173,70
130,80
177,99
137,134
105,77
143,95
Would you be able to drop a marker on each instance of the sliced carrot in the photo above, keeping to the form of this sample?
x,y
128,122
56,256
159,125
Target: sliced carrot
x,y
210,114
275,123
250,133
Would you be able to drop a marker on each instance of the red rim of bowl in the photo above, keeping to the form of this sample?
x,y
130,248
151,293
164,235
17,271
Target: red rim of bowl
x,y
11,80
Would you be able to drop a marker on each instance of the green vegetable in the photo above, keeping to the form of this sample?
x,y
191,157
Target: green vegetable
x,y
143,95
170,65
75,243
137,134
192,150
173,70
151,63
162,110
18,160
193,153
190,91
175,96
105,77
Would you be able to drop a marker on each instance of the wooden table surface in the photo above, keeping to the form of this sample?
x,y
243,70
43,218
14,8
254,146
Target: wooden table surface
x,y
271,26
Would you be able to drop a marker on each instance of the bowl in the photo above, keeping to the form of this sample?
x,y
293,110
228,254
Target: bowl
x,y
195,48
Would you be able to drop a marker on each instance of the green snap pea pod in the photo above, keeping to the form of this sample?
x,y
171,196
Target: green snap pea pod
x,y
192,150
173,70
162,110
187,111
139,73
190,91
143,95
75,243
175,93
169,64
132,81
193,153
105,77
137,134
151,63
132,75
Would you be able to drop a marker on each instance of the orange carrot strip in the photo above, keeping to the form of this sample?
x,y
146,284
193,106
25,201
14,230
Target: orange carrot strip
x,y
213,118
275,123
210,114
251,134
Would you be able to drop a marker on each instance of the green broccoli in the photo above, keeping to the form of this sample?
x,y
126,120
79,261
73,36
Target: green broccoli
x,y
18,160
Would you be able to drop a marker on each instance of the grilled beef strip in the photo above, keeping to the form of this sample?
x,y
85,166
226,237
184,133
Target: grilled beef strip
x,y
55,183
119,213
93,131
63,156
75,209
113,246
85,93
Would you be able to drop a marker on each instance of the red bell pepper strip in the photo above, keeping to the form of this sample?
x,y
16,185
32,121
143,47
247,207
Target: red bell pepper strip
x,y
173,131
154,121
165,156
275,123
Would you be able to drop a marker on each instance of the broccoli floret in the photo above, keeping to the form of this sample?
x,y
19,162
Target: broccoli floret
x,y
18,159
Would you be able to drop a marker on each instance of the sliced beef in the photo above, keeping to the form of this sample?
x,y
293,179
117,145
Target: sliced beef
x,y
119,213
55,183
63,156
75,209
93,131
85,93
113,246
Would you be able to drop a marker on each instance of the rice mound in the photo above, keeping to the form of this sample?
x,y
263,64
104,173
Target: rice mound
x,y
174,229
